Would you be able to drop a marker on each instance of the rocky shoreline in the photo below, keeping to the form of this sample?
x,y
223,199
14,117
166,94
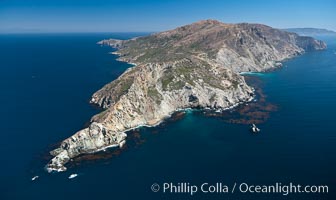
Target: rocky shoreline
x,y
135,138
194,66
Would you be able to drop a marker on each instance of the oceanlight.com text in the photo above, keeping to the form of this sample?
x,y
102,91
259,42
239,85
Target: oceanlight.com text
x,y
223,188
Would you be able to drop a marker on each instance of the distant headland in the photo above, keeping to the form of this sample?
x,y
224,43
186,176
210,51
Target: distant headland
x,y
313,32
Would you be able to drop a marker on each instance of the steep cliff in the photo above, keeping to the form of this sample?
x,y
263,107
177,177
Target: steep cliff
x,y
194,66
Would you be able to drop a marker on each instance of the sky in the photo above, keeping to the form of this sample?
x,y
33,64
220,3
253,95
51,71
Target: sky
x,y
20,16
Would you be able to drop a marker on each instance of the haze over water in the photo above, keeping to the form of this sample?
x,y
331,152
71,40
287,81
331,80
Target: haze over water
x,y
47,80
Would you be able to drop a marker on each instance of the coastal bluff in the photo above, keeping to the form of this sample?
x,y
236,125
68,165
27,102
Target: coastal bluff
x,y
193,66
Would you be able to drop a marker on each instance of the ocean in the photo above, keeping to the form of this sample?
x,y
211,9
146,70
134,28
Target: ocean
x,y
47,80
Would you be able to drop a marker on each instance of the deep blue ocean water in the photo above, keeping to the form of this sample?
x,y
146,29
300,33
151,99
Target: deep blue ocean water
x,y
47,80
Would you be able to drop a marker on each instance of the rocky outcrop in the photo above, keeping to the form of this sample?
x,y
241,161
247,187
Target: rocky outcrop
x,y
194,66
111,42
92,139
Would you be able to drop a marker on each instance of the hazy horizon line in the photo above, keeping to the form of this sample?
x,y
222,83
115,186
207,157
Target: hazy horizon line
x,y
33,30
71,32
2,32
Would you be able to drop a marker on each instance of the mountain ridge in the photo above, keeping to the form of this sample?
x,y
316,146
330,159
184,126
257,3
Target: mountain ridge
x,y
209,36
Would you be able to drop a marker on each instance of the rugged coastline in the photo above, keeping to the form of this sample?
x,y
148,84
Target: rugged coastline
x,y
194,66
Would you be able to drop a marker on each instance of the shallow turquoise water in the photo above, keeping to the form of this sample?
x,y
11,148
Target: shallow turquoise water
x,y
47,80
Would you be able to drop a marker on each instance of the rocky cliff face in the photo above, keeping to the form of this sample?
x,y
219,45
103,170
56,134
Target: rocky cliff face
x,y
194,66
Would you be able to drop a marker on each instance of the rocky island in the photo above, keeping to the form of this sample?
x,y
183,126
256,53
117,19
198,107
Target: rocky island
x,y
193,66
